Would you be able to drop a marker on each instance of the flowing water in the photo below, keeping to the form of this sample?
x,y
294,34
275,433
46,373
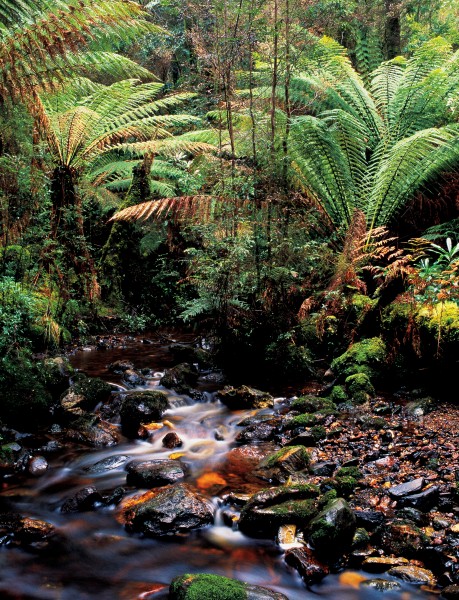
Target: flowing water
x,y
100,560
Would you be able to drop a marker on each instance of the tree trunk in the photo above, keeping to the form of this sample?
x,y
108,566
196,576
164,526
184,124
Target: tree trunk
x,y
392,33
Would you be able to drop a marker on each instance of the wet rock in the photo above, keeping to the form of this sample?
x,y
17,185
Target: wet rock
x,y
245,397
361,538
423,501
286,535
140,408
308,438
413,574
402,538
180,378
380,564
325,468
381,585
93,433
120,366
115,497
153,473
420,407
172,440
308,566
35,533
412,514
269,509
404,489
332,530
218,587
369,519
56,372
169,511
73,405
9,458
132,379
260,432
82,501
280,465
108,464
93,389
451,592
38,465
184,353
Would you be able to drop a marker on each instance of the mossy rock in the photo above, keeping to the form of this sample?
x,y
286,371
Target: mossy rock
x,y
180,378
204,586
331,532
359,383
245,397
304,420
93,389
25,401
291,459
367,356
56,373
402,538
343,486
312,404
140,408
338,395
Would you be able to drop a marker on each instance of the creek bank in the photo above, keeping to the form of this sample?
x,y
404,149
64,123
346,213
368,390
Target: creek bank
x,y
375,481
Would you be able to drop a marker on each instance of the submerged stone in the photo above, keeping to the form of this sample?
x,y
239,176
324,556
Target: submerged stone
x,y
381,585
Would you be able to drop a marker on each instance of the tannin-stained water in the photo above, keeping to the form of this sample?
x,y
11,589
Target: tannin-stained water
x,y
98,559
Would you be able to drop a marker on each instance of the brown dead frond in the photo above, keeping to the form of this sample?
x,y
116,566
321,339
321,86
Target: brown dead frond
x,y
178,208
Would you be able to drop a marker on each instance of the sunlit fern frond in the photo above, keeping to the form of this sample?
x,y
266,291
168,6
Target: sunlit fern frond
x,y
45,44
181,208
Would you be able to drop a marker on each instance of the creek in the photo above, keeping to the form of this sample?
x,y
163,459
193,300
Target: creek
x,y
100,560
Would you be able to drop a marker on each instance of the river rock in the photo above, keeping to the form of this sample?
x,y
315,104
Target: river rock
x,y
140,408
180,378
56,373
424,501
169,511
308,566
92,432
120,366
38,465
332,530
324,468
283,463
451,592
381,585
82,501
93,389
171,440
207,586
259,432
108,464
245,397
132,379
402,538
269,509
404,489
190,354
153,473
369,519
413,574
380,564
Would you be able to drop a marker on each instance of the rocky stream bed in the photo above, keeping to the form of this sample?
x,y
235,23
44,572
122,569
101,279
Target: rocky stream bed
x,y
156,480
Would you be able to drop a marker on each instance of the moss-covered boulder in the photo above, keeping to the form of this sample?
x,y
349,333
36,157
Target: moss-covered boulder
x,y
367,356
180,378
313,404
141,408
204,586
25,401
338,394
245,397
331,532
281,464
56,373
93,389
359,386
268,509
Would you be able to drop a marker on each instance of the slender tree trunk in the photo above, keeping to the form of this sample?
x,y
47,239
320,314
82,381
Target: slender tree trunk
x,y
392,33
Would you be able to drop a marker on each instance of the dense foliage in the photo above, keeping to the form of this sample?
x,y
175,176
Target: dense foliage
x,y
230,167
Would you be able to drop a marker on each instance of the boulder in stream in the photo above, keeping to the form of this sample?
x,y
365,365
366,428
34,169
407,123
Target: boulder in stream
x,y
332,530
153,473
169,510
140,408
218,587
180,378
245,397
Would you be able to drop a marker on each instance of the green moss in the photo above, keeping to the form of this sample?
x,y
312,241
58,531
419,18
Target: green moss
x,y
373,423
93,389
297,511
338,394
359,382
349,472
205,586
343,486
306,420
298,453
312,404
367,356
318,432
327,497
